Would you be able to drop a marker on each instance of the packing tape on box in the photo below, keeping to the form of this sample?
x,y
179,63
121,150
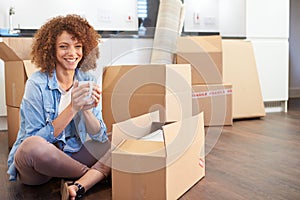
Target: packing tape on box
x,y
212,93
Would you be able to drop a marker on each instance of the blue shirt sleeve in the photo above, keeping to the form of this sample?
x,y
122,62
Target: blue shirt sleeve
x,y
36,113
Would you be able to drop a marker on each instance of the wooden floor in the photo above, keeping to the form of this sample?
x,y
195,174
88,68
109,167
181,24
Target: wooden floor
x,y
253,159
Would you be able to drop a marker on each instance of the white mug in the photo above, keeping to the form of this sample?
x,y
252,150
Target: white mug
x,y
89,96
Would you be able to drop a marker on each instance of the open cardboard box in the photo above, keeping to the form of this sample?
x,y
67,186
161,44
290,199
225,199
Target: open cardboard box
x,y
204,53
215,101
143,169
133,90
15,52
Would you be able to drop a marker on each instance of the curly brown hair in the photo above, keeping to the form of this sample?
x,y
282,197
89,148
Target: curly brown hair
x,y
44,49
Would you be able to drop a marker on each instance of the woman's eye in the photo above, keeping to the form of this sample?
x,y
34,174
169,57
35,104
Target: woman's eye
x,y
63,47
78,46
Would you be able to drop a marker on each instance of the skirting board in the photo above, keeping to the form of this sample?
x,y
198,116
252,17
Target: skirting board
x,y
275,106
294,92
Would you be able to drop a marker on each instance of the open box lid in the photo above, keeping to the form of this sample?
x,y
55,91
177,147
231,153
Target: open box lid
x,y
133,128
179,136
15,49
30,68
139,156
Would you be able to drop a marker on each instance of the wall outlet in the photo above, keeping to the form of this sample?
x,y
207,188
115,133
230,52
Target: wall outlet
x,y
210,21
196,18
104,16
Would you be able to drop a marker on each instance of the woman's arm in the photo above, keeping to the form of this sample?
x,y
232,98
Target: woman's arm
x,y
92,124
63,119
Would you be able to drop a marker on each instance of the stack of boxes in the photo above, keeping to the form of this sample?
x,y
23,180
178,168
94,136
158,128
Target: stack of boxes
x,y
15,52
211,95
179,99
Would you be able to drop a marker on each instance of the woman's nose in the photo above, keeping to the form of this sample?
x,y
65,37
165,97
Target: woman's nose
x,y
72,50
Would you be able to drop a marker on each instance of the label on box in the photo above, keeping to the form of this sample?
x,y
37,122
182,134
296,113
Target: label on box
x,y
212,93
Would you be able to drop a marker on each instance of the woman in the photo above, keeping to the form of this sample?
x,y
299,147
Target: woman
x,y
56,116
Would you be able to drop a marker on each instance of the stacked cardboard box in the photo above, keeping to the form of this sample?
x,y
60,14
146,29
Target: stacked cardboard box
x,y
15,52
210,94
138,100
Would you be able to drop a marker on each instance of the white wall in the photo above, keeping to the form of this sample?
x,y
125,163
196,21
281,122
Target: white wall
x,y
102,14
232,18
225,16
207,12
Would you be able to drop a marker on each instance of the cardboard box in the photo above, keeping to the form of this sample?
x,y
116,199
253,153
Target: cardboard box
x,y
13,124
156,169
15,52
215,101
133,90
240,70
204,53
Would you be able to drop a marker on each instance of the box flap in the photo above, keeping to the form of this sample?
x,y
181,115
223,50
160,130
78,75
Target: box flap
x,y
133,128
180,135
15,49
30,68
6,53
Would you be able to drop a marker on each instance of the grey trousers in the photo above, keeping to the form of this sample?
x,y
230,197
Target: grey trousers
x,y
37,160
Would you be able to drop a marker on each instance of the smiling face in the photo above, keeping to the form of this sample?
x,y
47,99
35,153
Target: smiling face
x,y
68,52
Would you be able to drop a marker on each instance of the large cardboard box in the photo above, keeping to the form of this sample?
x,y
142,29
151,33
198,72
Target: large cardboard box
x,y
133,90
240,70
204,53
156,169
13,124
215,101
15,52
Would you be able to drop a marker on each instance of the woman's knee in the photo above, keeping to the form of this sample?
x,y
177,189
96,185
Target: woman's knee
x,y
32,147
33,143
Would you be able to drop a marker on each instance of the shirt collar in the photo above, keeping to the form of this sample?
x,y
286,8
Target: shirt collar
x,y
52,80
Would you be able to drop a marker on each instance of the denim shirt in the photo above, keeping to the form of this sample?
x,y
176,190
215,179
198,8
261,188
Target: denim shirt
x,y
39,108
